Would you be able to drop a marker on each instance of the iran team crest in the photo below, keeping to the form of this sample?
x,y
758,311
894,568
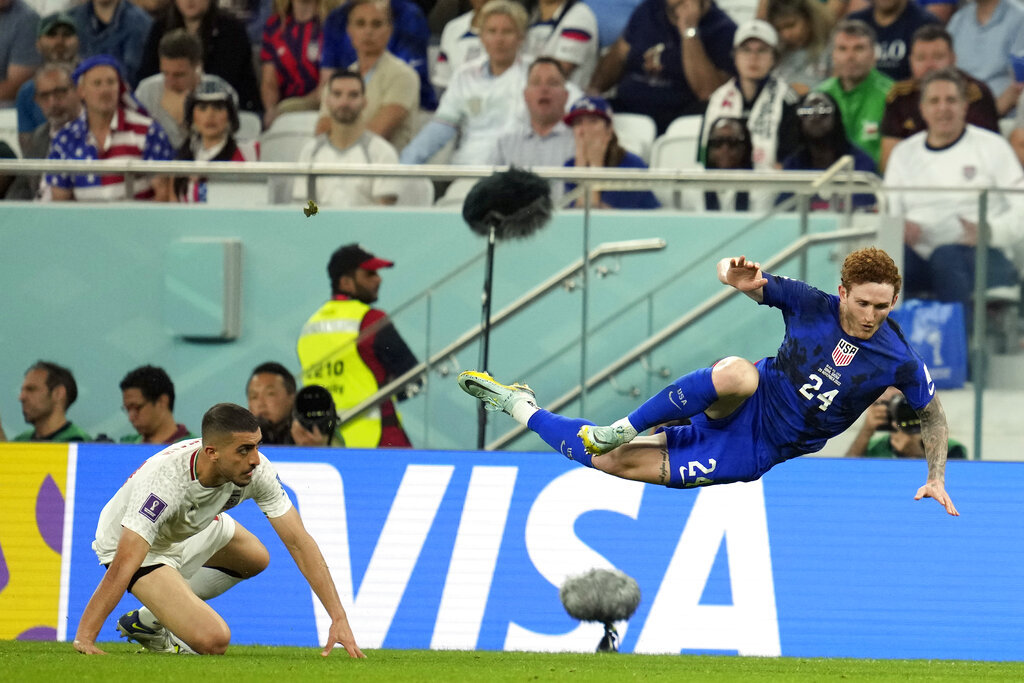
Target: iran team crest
x,y
843,353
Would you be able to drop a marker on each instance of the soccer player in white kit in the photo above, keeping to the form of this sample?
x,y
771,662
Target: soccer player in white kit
x,y
165,538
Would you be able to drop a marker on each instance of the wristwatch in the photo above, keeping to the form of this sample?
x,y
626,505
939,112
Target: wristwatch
x,y
690,32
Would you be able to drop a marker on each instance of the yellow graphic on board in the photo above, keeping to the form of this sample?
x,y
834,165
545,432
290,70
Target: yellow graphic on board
x,y
33,482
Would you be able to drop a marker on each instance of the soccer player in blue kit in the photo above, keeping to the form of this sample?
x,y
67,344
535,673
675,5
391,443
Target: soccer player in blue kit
x,y
838,356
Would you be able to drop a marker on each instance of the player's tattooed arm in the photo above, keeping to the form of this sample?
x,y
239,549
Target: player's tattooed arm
x,y
665,473
935,434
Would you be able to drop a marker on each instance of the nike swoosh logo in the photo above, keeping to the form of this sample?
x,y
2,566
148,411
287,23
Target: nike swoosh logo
x,y
471,383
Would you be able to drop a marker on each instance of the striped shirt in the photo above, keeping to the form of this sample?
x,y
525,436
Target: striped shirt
x,y
294,50
132,135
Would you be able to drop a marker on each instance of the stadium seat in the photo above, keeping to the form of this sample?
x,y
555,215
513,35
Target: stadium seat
x,y
1006,126
636,132
9,129
685,125
295,122
417,192
677,153
275,146
249,126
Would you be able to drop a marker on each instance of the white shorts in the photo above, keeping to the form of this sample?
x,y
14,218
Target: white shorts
x,y
189,555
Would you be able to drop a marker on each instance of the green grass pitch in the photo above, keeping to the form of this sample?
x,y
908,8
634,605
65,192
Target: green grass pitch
x,y
58,663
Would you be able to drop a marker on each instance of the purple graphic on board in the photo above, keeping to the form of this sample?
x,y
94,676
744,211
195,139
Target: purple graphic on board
x,y
38,633
50,514
5,574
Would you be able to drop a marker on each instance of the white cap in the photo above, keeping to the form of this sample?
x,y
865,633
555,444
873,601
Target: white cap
x,y
756,28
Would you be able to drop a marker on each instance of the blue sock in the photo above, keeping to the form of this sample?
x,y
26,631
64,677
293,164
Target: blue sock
x,y
687,396
560,433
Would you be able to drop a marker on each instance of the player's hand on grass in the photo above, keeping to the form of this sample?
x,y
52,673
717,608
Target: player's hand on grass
x,y
87,647
935,489
341,633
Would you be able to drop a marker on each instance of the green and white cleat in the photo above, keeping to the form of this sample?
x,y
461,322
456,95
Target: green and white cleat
x,y
600,440
495,395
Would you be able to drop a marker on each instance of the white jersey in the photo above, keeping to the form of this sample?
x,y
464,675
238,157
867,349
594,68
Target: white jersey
x,y
483,107
164,502
348,191
460,44
978,159
569,36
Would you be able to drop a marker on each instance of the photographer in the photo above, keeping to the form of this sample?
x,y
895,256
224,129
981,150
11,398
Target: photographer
x,y
901,431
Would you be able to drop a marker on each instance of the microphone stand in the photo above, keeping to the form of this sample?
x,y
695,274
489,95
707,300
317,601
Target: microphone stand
x,y
485,325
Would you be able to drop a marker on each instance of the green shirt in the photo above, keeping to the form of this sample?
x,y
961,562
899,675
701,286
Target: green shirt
x,y
69,432
881,447
862,109
180,434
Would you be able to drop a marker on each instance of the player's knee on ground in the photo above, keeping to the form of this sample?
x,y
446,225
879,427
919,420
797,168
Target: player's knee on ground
x,y
734,376
213,640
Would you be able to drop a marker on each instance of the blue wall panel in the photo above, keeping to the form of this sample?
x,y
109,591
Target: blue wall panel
x,y
822,557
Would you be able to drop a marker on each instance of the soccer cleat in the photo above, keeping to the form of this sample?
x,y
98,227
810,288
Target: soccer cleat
x,y
600,440
494,394
154,640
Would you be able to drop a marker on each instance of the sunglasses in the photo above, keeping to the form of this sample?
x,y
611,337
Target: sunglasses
x,y
726,142
815,110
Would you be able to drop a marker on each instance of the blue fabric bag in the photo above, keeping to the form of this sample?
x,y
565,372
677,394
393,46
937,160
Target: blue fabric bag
x,y
935,330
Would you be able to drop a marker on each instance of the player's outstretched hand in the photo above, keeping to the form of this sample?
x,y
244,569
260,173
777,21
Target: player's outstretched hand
x,y
87,648
935,489
745,275
341,633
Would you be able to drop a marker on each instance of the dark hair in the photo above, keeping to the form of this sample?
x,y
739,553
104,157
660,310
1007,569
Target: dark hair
x,y
274,368
870,264
546,60
57,376
948,74
856,27
342,73
152,381
172,19
748,145
180,44
227,418
929,33
352,4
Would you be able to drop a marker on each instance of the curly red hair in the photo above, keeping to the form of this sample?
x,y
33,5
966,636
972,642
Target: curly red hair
x,y
871,265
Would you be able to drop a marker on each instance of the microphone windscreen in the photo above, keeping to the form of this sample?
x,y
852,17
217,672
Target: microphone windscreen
x,y
516,202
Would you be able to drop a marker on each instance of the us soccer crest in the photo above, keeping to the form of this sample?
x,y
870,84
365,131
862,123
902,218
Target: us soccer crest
x,y
970,172
843,353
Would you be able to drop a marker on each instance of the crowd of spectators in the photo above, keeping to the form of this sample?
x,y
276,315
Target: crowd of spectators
x,y
474,98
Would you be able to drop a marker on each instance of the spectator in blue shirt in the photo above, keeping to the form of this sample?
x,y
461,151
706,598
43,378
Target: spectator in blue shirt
x,y
113,27
409,38
597,147
671,57
894,22
823,141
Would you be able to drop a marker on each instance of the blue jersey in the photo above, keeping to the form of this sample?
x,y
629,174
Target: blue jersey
x,y
822,379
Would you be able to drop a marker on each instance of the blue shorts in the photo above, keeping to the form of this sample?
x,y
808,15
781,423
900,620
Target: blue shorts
x,y
708,452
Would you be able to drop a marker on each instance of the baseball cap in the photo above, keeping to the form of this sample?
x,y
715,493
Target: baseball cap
x,y
352,256
592,105
52,21
756,28
214,89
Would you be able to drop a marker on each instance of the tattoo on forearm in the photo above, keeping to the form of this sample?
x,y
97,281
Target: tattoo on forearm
x,y
664,466
935,434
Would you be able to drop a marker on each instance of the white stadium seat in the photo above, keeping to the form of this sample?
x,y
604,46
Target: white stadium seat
x,y
636,132
249,126
295,122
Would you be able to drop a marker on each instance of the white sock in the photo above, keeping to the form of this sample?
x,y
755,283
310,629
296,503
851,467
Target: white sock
x,y
209,582
148,619
627,428
523,410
